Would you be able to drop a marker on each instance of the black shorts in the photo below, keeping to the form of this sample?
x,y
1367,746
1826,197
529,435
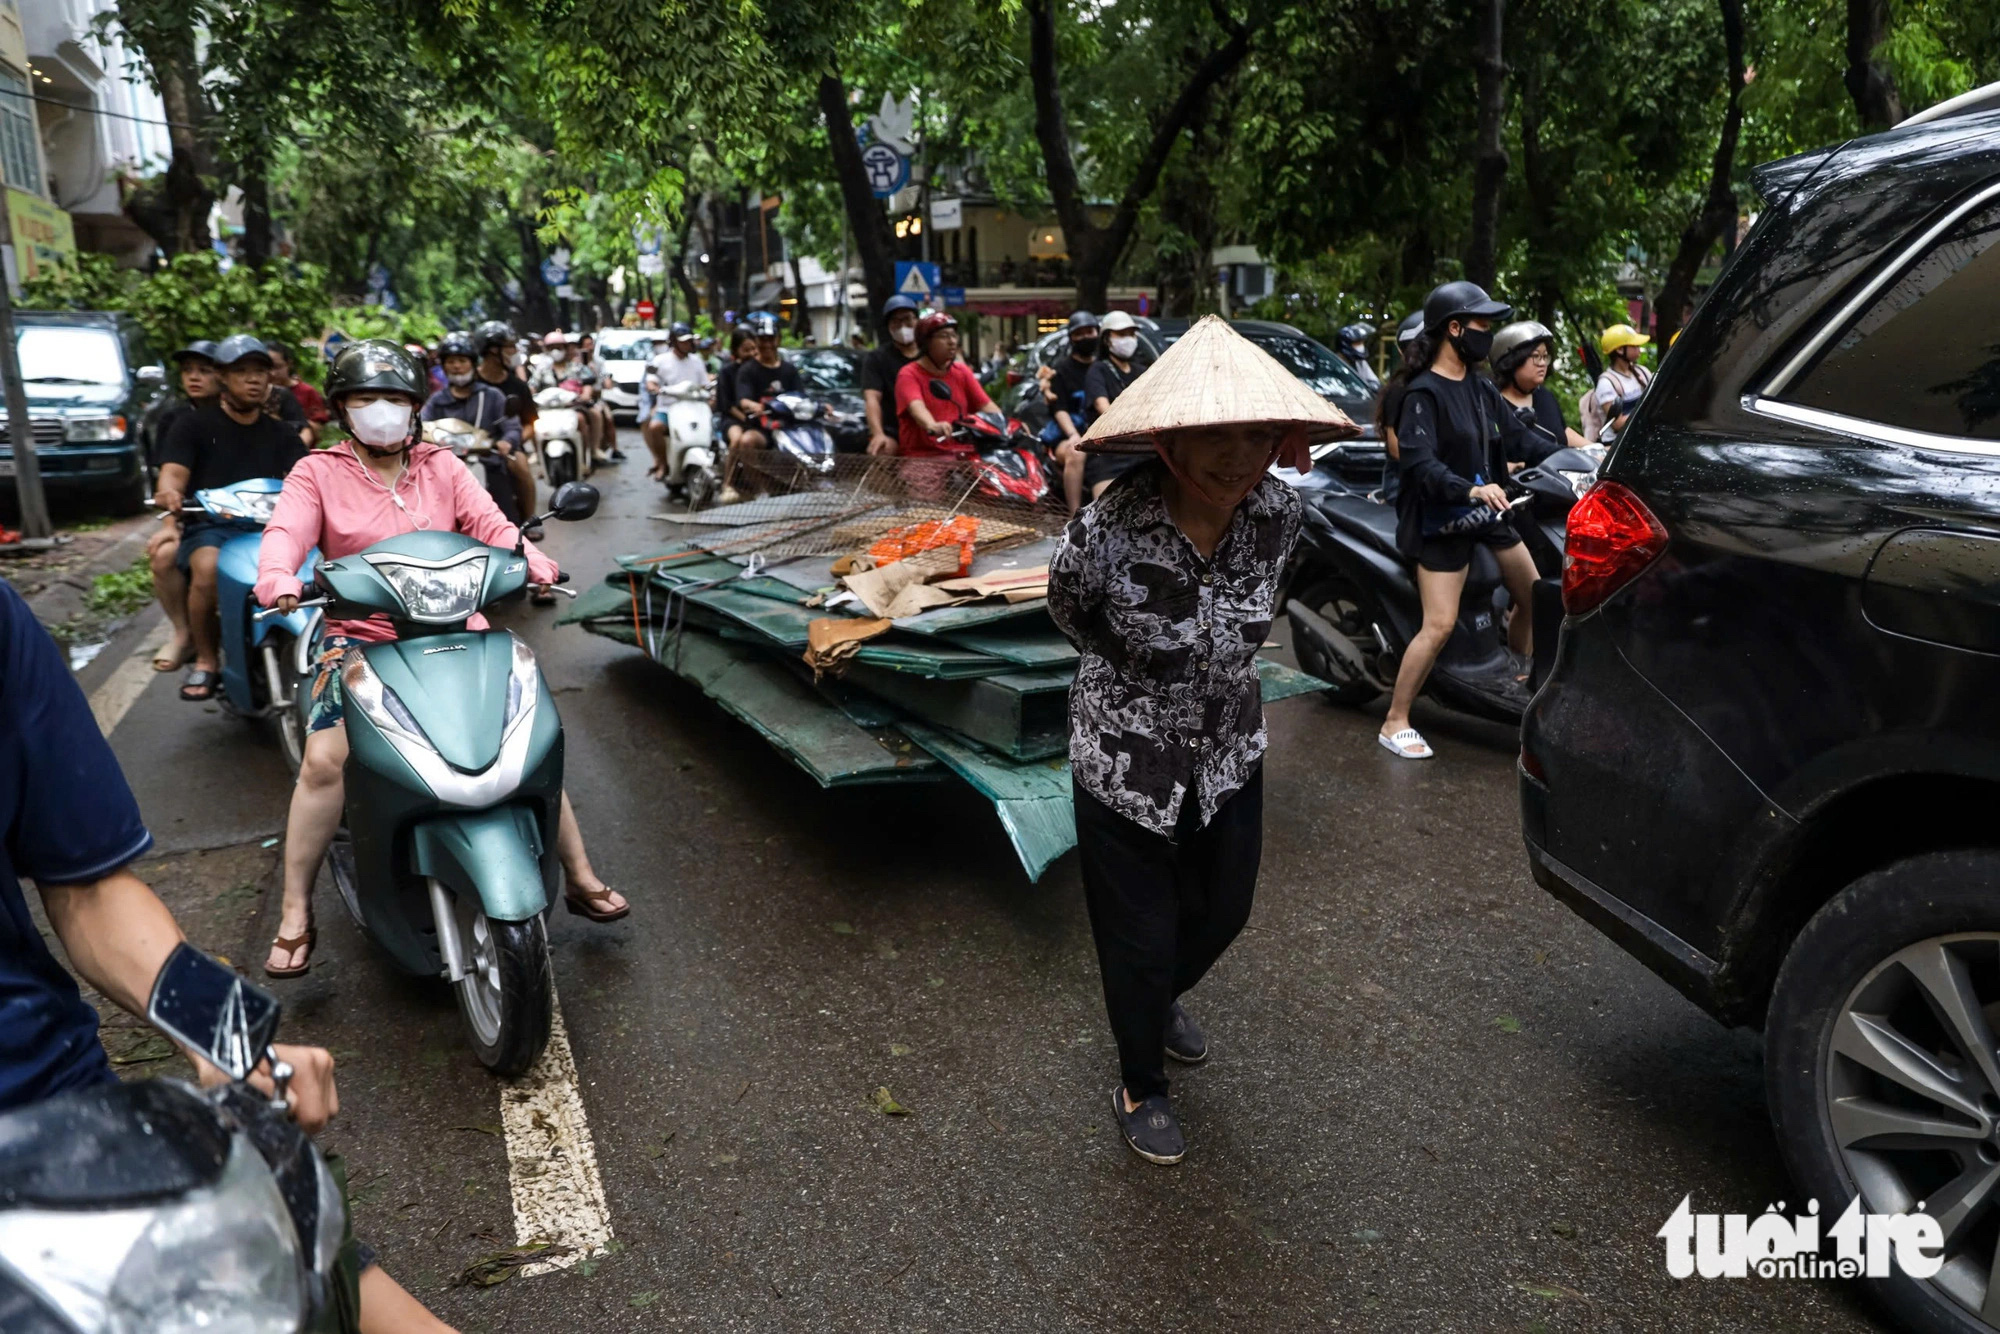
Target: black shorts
x,y
1104,466
1449,555
211,533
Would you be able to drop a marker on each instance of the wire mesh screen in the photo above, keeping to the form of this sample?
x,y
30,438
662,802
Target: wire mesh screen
x,y
892,508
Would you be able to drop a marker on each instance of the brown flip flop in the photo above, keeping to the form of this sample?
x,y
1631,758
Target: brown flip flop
x,y
583,904
290,943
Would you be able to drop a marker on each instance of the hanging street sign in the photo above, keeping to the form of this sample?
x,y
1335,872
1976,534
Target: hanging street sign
x,y
952,298
947,214
653,265
647,310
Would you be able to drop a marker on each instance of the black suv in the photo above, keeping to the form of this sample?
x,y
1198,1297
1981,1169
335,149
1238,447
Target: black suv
x,y
1766,759
93,387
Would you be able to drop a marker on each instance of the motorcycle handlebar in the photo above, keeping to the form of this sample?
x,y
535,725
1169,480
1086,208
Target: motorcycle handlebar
x,y
266,612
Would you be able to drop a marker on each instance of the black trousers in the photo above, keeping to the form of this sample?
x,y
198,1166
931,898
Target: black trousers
x,y
1162,911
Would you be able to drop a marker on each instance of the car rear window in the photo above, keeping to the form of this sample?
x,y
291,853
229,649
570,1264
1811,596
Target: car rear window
x,y
1924,355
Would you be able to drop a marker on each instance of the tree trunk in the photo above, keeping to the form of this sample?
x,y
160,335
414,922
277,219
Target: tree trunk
x,y
1876,100
678,264
536,305
258,244
1489,166
1717,214
189,170
712,268
1094,251
874,239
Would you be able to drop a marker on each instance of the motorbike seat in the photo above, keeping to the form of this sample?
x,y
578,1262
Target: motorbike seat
x,y
1366,521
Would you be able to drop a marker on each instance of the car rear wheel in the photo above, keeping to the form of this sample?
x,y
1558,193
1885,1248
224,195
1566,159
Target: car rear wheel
x,y
1883,1070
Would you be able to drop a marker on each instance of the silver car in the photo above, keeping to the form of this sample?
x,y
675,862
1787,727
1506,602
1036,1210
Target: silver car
x,y
625,353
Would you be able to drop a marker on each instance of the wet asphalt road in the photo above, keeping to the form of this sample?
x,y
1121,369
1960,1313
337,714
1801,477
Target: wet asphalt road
x,y
1436,1101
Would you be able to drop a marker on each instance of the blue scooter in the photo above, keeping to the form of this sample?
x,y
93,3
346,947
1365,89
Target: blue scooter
x,y
263,661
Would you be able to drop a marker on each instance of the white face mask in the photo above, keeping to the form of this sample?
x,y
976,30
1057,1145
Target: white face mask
x,y
383,423
459,381
1123,348
905,334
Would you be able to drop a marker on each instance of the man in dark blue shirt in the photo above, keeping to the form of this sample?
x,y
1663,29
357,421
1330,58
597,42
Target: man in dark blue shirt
x,y
69,822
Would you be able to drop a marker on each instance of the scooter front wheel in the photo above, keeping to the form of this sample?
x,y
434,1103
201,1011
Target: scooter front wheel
x,y
507,995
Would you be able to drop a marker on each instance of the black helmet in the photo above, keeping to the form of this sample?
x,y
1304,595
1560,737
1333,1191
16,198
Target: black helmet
x,y
492,333
764,324
1512,345
1407,331
241,347
200,347
680,330
457,343
378,364
1461,301
1082,319
1356,333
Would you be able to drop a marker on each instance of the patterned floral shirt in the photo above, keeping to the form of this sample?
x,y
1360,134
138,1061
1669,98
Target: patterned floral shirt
x,y
1166,700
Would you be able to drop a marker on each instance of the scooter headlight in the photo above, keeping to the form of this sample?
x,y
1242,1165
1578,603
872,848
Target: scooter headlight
x,y
437,594
220,1260
366,691
1579,482
521,679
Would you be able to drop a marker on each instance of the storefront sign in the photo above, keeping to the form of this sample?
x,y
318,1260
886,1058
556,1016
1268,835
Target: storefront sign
x,y
43,237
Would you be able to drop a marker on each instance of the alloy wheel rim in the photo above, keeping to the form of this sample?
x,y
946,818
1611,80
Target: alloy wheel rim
x,y
481,983
1344,614
1912,1099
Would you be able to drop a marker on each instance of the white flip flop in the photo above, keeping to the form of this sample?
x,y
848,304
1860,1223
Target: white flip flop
x,y
1407,744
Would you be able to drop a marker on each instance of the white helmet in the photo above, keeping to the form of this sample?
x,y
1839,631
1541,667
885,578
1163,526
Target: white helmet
x,y
1118,321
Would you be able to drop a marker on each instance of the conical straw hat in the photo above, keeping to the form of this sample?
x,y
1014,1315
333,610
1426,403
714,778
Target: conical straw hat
x,y
1213,376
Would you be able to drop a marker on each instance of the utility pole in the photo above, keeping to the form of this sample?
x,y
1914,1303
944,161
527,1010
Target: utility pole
x,y
35,526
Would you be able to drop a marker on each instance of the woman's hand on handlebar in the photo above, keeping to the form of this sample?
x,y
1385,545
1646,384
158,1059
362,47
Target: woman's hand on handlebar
x,y
1490,494
287,604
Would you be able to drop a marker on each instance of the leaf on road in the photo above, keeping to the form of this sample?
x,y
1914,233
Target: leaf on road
x,y
1564,1230
885,1103
1507,1023
1367,1236
659,1150
135,1046
843,928
643,1299
503,1265
480,1130
898,1049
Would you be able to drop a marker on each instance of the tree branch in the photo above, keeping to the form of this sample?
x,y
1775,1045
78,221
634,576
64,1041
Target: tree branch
x,y
1052,127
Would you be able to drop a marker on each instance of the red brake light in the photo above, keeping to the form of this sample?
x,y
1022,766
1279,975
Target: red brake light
x,y
1612,537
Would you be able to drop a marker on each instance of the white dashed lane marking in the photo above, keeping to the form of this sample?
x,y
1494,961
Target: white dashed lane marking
x,y
551,1162
110,702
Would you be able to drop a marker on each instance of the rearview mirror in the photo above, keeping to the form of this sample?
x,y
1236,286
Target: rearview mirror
x,y
151,374
941,390
207,1008
574,500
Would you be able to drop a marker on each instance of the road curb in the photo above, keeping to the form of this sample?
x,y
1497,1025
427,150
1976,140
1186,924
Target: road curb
x,y
57,584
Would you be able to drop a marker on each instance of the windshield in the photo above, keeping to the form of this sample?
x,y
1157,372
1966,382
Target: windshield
x,y
828,368
1316,365
53,355
627,347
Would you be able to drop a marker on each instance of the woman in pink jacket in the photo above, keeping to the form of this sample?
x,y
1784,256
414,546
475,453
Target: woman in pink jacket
x,y
382,482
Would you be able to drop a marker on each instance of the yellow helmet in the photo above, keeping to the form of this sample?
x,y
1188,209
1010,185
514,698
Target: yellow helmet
x,y
1620,335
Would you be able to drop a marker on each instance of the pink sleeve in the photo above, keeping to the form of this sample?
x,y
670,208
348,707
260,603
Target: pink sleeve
x,y
479,517
292,532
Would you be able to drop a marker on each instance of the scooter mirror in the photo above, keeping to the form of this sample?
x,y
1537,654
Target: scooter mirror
x,y
941,391
207,1007
574,500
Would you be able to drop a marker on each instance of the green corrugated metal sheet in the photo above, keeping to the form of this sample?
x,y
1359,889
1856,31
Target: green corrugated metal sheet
x,y
1278,681
1032,799
1018,642
1021,715
810,730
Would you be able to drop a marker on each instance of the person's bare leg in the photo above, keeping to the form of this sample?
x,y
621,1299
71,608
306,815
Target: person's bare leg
x,y
1072,461
575,861
386,1308
170,586
1517,568
203,626
524,483
1439,591
309,828
655,435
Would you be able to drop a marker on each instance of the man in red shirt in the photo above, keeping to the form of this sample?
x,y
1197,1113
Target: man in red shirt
x,y
923,418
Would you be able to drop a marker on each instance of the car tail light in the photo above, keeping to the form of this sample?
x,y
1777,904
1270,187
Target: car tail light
x,y
1612,537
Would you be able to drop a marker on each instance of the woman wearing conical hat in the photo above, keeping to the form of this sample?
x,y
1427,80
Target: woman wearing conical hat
x,y
1166,584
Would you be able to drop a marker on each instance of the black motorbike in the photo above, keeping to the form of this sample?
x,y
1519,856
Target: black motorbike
x,y
157,1205
1351,596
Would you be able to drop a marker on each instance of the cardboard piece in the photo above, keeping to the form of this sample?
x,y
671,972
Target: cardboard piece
x,y
832,642
897,589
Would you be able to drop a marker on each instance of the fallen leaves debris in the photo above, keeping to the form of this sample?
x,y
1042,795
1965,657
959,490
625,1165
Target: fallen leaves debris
x,y
885,1103
500,1266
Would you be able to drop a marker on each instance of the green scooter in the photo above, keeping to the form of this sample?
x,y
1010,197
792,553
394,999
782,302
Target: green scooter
x,y
453,779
